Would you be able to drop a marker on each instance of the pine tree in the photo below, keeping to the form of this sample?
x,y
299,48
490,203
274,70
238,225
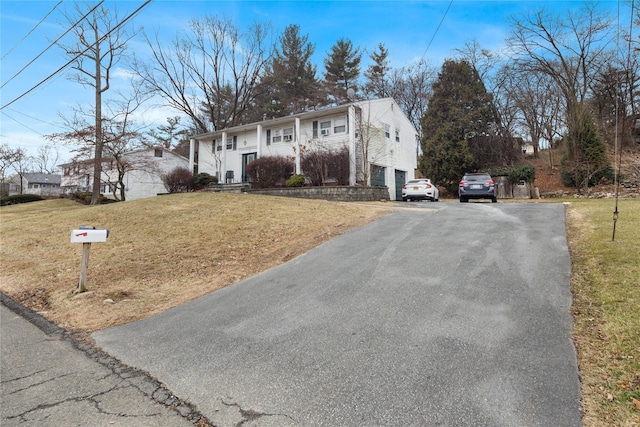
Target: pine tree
x,y
376,74
342,70
291,78
585,161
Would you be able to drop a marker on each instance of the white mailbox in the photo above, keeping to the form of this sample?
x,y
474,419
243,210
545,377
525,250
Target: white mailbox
x,y
89,235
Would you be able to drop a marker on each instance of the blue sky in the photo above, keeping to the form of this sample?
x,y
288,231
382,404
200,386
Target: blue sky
x,y
405,27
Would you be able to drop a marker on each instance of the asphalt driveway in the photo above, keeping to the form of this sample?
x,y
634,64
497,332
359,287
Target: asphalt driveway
x,y
458,316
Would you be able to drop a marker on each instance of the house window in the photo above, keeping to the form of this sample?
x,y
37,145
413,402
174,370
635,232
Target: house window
x,y
287,134
277,136
157,152
387,131
339,125
232,143
325,128
67,171
397,135
315,129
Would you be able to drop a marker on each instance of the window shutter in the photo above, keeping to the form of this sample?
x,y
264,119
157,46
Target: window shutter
x,y
268,136
315,128
235,142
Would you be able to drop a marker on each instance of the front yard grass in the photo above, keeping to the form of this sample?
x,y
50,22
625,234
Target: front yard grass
x,y
606,289
161,252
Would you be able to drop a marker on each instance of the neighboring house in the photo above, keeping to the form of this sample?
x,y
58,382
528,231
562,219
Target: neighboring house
x,y
381,141
142,178
527,149
42,184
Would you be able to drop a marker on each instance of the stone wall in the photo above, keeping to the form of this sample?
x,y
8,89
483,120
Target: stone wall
x,y
337,194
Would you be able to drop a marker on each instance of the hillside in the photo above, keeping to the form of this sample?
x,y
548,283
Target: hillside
x,y
550,184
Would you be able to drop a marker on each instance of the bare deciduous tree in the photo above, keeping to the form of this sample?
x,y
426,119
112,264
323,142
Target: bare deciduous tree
x,y
484,61
120,135
11,159
411,87
570,49
535,103
98,45
210,73
46,159
370,145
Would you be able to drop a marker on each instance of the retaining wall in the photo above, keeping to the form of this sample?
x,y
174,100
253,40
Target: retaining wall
x,y
338,194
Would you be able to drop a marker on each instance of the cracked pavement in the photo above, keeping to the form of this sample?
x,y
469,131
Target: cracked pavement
x,y
49,378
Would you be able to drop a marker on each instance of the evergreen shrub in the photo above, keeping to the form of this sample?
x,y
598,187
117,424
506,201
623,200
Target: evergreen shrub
x,y
295,181
19,198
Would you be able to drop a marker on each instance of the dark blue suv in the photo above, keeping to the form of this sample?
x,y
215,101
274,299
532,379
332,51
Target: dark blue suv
x,y
477,186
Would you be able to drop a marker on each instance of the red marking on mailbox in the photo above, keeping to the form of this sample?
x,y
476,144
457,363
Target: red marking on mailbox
x,y
82,234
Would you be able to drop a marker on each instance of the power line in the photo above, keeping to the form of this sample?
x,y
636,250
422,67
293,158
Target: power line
x,y
78,55
32,30
19,122
437,29
31,117
52,44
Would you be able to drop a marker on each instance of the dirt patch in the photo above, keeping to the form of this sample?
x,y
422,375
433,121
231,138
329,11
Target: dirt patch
x,y
35,299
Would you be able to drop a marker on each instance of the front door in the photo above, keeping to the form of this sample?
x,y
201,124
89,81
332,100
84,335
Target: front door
x,y
246,159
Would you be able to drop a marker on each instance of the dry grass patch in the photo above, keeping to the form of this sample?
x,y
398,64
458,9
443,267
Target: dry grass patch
x,y
606,289
161,252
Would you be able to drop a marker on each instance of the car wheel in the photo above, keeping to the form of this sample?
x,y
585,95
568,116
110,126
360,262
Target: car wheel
x,y
463,200
494,200
404,199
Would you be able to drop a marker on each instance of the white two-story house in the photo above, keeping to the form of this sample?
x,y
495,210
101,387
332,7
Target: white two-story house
x,y
141,170
381,141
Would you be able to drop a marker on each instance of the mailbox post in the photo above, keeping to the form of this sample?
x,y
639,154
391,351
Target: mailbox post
x,y
86,236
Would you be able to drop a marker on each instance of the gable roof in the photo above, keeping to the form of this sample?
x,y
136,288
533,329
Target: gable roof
x,y
42,178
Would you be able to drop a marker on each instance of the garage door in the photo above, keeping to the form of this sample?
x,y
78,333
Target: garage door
x,y
401,178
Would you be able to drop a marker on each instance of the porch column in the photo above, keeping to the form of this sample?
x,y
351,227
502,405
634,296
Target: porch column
x,y
296,135
223,160
259,140
351,117
192,154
